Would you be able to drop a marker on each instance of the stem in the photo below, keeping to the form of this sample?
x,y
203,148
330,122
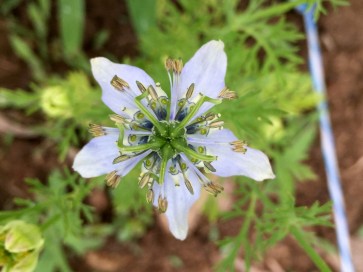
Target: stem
x,y
167,153
191,153
242,238
157,143
148,114
314,256
246,226
275,10
143,147
193,111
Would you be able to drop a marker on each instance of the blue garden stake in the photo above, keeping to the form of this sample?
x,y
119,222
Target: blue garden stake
x,y
327,140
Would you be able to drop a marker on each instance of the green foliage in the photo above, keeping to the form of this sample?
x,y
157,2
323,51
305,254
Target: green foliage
x,y
273,112
71,20
142,14
67,103
35,44
59,210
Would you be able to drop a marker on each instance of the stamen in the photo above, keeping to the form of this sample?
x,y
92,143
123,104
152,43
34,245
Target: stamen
x,y
239,146
188,185
211,116
96,130
169,64
190,153
140,86
119,83
118,119
178,66
144,179
190,91
162,204
213,188
227,94
186,180
150,196
202,99
121,158
112,179
209,166
152,92
216,124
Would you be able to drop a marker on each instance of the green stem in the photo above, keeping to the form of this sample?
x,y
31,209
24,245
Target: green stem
x,y
143,147
148,114
242,237
193,111
275,10
246,227
304,244
167,153
191,153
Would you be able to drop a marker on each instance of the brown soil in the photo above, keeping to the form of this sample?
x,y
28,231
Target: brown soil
x,y
342,43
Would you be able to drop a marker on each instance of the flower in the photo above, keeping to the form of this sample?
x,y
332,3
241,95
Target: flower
x,y
177,140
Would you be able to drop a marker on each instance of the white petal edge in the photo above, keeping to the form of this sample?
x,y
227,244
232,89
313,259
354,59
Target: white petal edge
x,y
180,200
206,69
104,70
253,164
96,157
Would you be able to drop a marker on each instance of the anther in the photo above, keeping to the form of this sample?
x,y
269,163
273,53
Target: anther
x,y
150,196
96,130
216,124
119,83
178,66
140,86
121,158
190,91
209,166
188,185
118,119
152,93
239,146
210,116
169,64
227,94
162,204
112,179
144,179
213,188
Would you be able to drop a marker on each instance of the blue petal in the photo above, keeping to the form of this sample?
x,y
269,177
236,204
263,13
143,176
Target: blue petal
x,y
96,158
253,164
207,70
104,70
180,200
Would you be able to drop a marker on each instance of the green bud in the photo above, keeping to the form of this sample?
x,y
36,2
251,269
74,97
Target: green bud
x,y
20,245
55,102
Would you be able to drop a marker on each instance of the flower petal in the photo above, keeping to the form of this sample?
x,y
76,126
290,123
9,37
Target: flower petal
x,y
207,70
180,200
104,70
96,158
253,164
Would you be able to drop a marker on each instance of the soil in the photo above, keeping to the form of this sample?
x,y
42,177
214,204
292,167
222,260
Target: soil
x,y
341,36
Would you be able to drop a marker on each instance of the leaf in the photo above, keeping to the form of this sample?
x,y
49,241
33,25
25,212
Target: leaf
x,y
23,51
143,14
71,19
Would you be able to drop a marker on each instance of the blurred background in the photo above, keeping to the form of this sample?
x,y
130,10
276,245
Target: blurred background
x,y
48,97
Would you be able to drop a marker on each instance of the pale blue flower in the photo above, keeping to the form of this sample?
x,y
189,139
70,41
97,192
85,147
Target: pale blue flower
x,y
177,141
